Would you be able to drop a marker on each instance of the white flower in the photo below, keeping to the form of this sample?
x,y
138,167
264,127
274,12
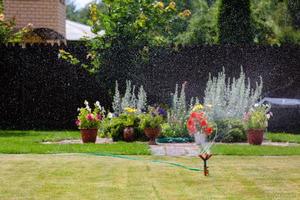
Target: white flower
x,y
268,116
256,105
97,104
78,109
110,115
87,107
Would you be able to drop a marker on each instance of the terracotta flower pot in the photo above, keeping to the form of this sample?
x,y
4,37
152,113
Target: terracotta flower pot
x,y
128,134
255,136
152,134
88,135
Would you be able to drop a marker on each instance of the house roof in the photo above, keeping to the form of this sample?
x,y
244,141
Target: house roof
x,y
76,31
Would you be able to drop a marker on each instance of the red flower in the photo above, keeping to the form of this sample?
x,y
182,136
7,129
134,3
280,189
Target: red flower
x,y
191,125
203,123
198,116
208,130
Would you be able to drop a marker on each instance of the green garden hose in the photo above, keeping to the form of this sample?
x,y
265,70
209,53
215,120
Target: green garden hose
x,y
153,161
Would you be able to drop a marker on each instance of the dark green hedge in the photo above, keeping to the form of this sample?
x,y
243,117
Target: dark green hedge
x,y
40,91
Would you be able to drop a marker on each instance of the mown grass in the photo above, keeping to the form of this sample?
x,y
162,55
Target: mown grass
x,y
30,142
78,176
252,150
283,137
21,142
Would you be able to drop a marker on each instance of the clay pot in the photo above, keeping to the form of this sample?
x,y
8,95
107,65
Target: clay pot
x,y
255,136
128,134
152,134
88,135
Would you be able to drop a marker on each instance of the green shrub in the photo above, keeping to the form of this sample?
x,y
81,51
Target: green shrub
x,y
174,130
114,127
150,121
230,130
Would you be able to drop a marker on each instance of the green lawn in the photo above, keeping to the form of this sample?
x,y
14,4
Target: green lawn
x,y
78,176
283,137
26,142
21,142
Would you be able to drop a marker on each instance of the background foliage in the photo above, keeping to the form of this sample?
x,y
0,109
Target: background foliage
x,y
235,22
273,22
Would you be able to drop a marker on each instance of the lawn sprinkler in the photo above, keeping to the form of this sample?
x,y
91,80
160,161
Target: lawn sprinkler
x,y
205,157
200,128
202,141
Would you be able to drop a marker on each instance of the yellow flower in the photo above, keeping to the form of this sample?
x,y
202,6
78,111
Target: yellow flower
x,y
185,13
197,107
172,5
1,17
159,5
130,110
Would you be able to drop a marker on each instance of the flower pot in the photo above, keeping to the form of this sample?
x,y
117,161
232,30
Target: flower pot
x,y
152,134
255,136
200,138
88,135
128,134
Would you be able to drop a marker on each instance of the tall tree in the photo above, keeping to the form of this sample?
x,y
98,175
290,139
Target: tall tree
x,y
81,15
1,6
294,9
235,22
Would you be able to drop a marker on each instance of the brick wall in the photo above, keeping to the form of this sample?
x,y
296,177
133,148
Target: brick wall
x,y
41,13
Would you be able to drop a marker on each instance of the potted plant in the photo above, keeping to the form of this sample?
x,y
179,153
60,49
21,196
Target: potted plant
x,y
151,124
256,121
88,121
128,132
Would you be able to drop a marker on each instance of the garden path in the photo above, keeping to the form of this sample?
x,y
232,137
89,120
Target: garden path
x,y
191,149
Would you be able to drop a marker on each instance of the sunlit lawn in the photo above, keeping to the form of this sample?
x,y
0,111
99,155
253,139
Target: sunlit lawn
x,y
30,142
79,176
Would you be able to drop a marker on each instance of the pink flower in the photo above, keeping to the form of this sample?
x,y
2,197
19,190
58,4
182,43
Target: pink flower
x,y
99,117
246,116
90,117
77,122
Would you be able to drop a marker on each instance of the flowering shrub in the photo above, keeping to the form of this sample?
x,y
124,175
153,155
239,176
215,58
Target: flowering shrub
x,y
88,118
131,25
177,114
129,99
153,119
257,117
230,97
7,30
198,122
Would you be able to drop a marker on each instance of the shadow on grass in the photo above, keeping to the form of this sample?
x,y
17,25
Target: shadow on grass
x,y
16,134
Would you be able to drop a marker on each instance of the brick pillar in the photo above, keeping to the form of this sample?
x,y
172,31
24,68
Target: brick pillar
x,y
41,13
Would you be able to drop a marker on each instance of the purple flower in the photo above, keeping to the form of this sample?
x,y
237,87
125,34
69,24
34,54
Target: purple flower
x,y
161,111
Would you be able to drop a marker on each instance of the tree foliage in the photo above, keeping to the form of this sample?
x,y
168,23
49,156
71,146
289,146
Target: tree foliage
x,y
272,22
203,25
131,25
81,15
294,10
235,22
